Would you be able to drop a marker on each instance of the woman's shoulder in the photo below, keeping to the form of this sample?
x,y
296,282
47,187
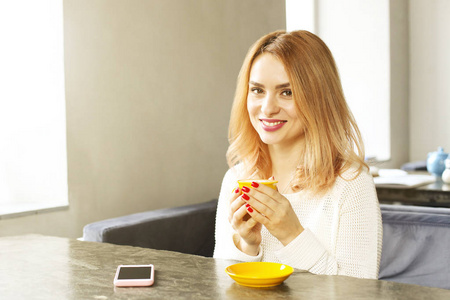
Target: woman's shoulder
x,y
236,170
355,172
233,173
355,191
355,187
355,178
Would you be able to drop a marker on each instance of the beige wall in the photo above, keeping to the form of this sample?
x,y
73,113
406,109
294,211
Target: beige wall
x,y
420,76
399,83
149,86
429,77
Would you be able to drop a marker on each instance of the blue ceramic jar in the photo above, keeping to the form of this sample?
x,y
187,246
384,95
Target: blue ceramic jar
x,y
436,162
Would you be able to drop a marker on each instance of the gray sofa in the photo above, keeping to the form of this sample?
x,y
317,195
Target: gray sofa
x,y
416,245
416,240
187,229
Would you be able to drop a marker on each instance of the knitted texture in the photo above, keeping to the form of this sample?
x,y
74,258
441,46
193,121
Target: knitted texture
x,y
342,236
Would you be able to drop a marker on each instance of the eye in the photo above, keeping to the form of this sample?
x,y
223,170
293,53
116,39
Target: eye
x,y
287,93
256,90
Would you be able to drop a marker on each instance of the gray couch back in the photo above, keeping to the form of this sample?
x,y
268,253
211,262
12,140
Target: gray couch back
x,y
416,245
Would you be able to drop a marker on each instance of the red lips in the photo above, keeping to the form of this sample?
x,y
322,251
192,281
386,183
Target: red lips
x,y
272,124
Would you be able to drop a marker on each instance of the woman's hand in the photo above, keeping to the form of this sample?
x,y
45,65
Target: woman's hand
x,y
271,209
248,236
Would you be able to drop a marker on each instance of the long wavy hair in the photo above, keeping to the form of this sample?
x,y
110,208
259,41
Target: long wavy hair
x,y
333,141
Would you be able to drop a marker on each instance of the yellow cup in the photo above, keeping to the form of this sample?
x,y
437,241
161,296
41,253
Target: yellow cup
x,y
248,183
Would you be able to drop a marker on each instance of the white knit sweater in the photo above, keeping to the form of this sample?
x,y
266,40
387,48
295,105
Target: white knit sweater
x,y
343,229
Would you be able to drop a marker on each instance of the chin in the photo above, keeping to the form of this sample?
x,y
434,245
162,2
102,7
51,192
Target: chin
x,y
269,140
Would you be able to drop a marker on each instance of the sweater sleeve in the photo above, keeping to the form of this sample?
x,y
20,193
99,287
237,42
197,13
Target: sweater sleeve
x,y
357,247
224,246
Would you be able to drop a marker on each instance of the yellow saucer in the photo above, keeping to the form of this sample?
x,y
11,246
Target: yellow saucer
x,y
259,274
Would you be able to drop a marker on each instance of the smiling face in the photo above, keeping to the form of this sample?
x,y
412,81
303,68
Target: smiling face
x,y
270,104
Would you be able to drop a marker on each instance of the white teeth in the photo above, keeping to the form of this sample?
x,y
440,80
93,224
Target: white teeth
x,y
271,123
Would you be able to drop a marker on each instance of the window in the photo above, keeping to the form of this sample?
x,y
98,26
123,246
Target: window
x,y
33,158
357,33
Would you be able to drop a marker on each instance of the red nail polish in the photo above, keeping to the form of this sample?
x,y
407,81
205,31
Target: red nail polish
x,y
249,209
247,205
237,190
245,197
255,184
245,189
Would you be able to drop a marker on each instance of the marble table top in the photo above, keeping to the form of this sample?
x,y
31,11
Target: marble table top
x,y
44,267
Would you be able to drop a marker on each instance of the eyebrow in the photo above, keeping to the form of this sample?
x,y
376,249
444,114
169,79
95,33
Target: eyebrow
x,y
280,86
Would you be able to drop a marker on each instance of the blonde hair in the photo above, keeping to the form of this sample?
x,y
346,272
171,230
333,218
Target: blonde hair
x,y
331,133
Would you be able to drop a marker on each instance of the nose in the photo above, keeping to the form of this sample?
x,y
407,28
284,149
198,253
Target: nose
x,y
270,106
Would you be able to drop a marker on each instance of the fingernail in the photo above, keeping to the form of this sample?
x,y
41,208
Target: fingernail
x,y
255,184
245,189
249,209
237,190
245,197
247,205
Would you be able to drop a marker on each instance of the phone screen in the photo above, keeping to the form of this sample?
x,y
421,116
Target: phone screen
x,y
135,272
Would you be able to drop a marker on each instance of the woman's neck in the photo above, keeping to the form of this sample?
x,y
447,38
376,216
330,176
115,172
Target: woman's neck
x,y
285,161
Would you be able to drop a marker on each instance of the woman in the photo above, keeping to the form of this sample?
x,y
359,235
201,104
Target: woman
x,y
290,122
